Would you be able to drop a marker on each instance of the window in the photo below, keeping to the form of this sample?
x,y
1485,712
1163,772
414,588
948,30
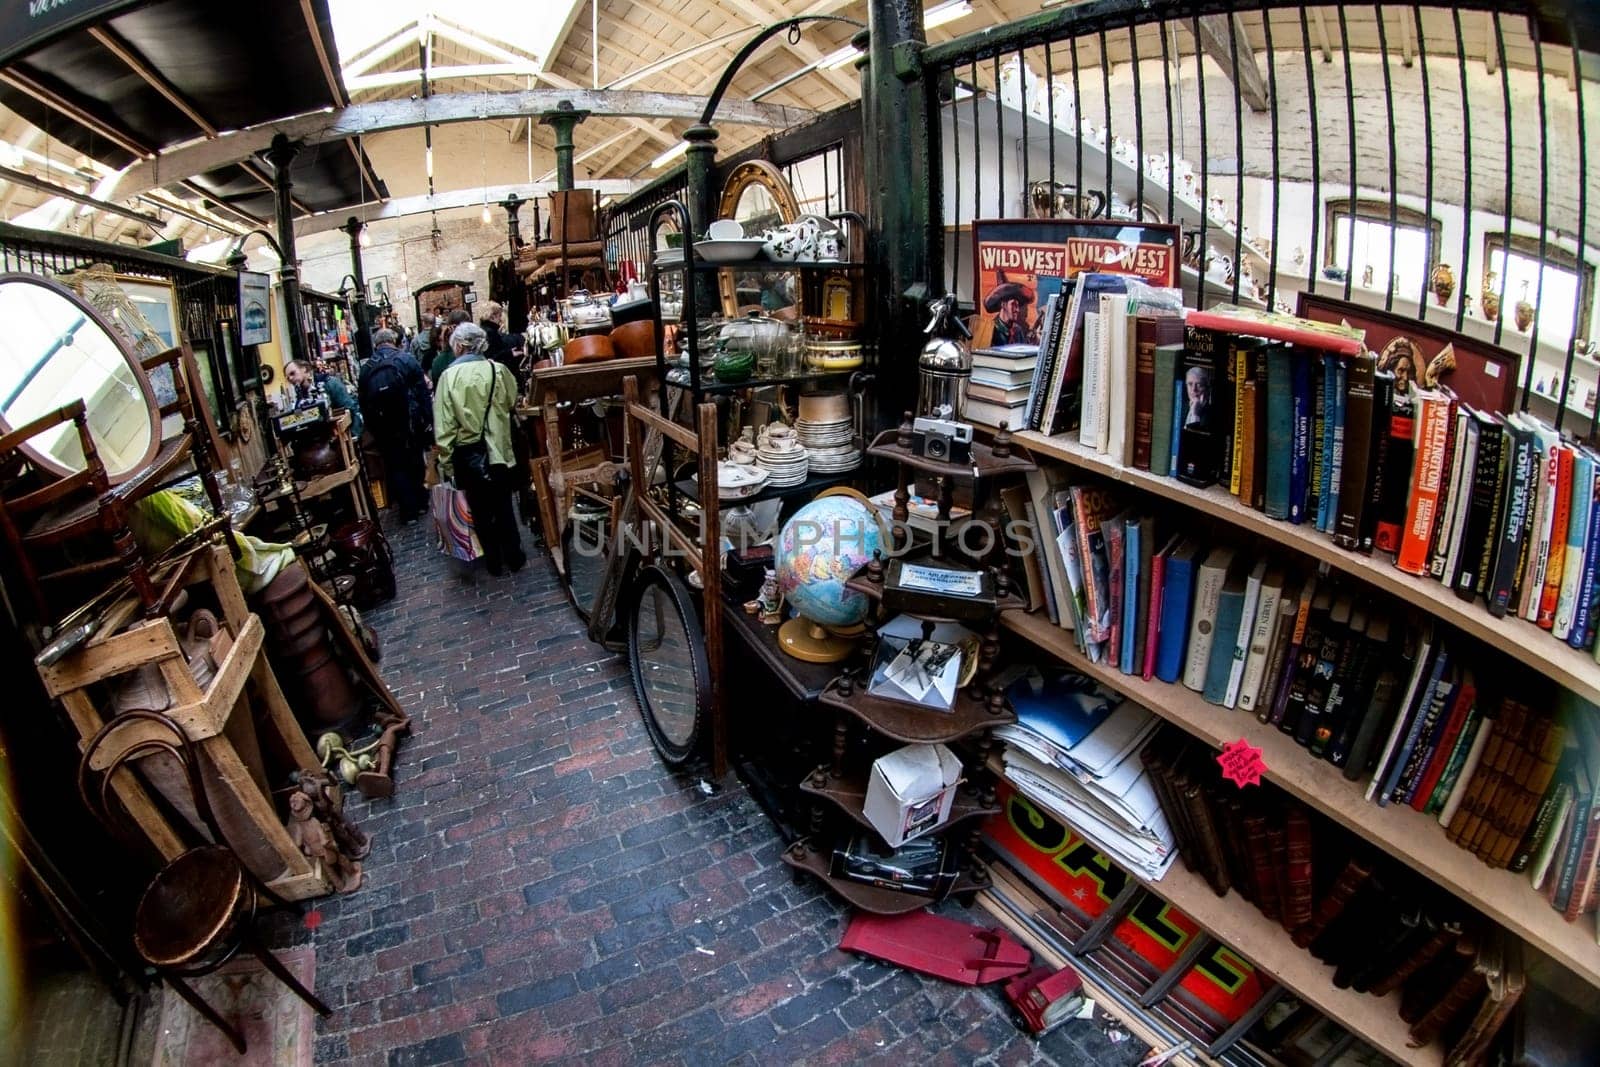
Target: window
x,y
1565,288
1363,238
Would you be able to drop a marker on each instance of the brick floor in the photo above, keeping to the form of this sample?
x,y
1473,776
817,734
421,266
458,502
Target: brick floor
x,y
541,888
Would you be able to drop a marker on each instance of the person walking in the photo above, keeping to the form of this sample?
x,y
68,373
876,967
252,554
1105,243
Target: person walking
x,y
500,348
446,353
393,394
472,435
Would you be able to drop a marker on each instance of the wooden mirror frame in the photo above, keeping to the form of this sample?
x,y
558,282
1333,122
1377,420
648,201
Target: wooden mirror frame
x,y
751,172
48,462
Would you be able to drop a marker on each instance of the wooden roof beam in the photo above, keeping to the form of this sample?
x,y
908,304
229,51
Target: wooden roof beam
x,y
1235,57
56,102
136,63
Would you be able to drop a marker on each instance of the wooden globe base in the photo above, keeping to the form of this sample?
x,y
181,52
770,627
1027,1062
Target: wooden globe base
x,y
806,640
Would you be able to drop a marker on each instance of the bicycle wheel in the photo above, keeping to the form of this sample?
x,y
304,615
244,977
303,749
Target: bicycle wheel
x,y
583,560
667,658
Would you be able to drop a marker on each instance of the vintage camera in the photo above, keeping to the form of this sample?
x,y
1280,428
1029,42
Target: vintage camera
x,y
942,439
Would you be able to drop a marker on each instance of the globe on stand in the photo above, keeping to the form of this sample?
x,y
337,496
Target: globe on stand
x,y
819,549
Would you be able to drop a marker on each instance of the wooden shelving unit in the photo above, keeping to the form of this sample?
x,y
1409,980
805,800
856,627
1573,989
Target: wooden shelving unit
x,y
912,723
1570,668
849,795
1407,835
876,899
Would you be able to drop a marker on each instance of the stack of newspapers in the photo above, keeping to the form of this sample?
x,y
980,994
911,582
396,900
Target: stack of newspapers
x,y
1074,751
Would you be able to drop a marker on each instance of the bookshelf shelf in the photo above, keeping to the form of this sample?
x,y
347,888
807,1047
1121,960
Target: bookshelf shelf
x,y
849,795
1408,835
1569,667
913,724
1236,922
804,856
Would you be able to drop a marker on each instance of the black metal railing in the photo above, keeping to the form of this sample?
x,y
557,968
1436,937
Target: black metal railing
x,y
1411,159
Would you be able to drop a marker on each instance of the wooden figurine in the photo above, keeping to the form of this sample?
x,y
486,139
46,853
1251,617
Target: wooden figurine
x,y
313,838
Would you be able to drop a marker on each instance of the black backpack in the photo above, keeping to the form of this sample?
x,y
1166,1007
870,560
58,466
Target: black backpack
x,y
385,405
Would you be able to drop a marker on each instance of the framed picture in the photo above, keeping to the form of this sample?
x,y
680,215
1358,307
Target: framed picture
x,y
379,288
469,297
255,308
1485,375
1021,263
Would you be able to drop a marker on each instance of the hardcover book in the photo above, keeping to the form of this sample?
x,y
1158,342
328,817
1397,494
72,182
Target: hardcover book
x,y
1433,423
1177,593
1164,385
1205,407
1356,451
1209,579
1225,632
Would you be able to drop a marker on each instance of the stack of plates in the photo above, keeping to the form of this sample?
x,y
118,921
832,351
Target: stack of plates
x,y
836,460
784,468
818,435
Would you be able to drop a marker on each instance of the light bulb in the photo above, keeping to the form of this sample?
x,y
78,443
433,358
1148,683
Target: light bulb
x,y
365,238
472,265
487,218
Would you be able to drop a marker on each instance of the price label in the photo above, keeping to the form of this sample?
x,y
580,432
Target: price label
x,y
1241,763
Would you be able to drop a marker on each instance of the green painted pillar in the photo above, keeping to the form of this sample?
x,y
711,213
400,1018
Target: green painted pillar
x,y
701,201
281,155
901,191
563,120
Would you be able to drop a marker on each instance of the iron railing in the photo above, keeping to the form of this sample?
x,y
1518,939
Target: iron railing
x,y
1347,150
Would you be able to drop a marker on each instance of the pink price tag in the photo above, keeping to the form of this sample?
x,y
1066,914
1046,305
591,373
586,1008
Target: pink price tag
x,y
1241,763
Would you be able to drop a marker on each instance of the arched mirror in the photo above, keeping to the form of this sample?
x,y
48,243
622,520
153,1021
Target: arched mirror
x,y
757,196
56,349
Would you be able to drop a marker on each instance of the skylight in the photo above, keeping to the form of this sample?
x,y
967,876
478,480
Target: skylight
x,y
360,24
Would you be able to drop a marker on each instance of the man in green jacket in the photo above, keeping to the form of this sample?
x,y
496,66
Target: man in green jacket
x,y
472,434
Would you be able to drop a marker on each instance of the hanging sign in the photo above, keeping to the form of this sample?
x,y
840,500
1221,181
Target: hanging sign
x,y
255,304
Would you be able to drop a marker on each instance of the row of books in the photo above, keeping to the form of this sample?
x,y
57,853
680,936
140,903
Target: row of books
x,y
1380,927
1498,507
1388,696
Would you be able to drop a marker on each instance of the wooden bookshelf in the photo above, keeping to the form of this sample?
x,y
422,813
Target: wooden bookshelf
x,y
1235,922
1408,835
1569,667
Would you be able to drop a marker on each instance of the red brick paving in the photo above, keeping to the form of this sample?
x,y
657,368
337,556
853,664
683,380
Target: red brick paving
x,y
542,889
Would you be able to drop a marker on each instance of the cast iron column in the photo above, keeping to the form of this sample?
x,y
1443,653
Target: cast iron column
x,y
281,156
517,305
701,203
513,204
562,120
900,186
363,339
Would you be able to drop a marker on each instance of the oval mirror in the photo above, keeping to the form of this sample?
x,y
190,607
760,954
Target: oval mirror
x,y
758,197
56,349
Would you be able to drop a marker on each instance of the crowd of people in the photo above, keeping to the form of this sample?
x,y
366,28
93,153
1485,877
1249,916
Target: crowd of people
x,y
450,391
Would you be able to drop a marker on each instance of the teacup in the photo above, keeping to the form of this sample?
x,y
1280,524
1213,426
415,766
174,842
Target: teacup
x,y
725,230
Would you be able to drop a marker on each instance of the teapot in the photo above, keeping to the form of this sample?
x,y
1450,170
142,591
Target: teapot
x,y
584,311
793,242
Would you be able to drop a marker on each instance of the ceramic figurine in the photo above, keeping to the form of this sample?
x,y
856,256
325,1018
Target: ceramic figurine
x,y
768,604
1299,257
1366,276
313,839
1443,281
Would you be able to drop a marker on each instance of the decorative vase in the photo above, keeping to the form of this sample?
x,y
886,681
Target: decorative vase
x,y
1490,304
1366,276
1444,283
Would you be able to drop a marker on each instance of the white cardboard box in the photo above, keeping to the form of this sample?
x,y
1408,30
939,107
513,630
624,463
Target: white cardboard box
x,y
911,791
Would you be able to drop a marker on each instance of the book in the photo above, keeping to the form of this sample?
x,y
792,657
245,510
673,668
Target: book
x,y
1179,579
1560,828
1206,407
1141,599
1442,564
1153,602
1022,356
1244,632
1152,404
1045,354
1164,374
1465,773
1392,504
1272,325
1443,744
1092,505
1319,378
985,413
1337,414
1278,650
1433,424
1517,501
1560,527
1421,666
1544,819
1456,761
1041,497
1582,633
1280,430
1003,383
1451,449
1308,652
1348,677
1420,717
1355,452
1585,821
1333,634
1112,533
1262,633
1117,344
1484,496
1433,716
1362,698
1547,445
1273,711
1378,458
1303,438
1209,579
1124,591
1023,526
1249,420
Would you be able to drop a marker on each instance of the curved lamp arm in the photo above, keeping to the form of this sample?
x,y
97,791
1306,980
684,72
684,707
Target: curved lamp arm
x,y
236,257
791,26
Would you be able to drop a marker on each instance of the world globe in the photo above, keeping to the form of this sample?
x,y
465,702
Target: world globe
x,y
818,550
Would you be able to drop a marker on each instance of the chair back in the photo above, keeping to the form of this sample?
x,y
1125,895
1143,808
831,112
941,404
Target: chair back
x,y
143,733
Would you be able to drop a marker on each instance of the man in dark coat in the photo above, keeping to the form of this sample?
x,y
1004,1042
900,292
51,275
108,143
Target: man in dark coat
x,y
393,393
500,348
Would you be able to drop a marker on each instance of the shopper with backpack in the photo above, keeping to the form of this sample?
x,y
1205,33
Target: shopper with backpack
x,y
395,406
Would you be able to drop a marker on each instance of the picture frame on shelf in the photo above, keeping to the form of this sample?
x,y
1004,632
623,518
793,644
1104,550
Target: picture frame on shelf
x,y
1021,263
255,308
1485,376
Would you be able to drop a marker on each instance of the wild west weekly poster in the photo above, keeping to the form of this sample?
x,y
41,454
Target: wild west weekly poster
x,y
1022,263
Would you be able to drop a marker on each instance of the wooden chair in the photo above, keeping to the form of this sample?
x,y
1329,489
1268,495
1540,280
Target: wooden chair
x,y
71,531
200,908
